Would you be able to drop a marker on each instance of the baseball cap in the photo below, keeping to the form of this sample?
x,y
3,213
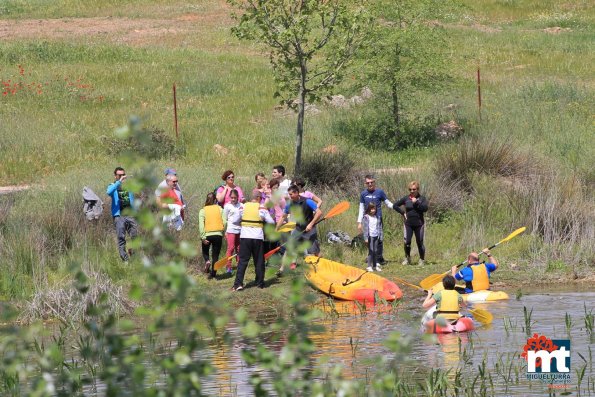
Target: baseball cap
x,y
170,171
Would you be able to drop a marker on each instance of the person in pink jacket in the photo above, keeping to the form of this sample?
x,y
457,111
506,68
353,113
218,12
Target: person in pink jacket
x,y
224,191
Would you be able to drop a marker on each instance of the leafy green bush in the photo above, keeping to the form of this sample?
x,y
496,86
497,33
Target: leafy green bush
x,y
329,170
376,130
152,143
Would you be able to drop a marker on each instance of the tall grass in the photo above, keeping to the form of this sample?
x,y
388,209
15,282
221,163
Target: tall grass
x,y
526,162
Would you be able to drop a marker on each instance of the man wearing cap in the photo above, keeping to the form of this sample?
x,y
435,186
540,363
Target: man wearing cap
x,y
169,195
163,187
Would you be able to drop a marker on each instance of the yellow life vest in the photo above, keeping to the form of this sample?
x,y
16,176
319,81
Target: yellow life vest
x,y
213,220
481,279
449,305
251,216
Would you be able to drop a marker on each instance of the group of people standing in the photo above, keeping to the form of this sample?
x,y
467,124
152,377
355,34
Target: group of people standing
x,y
369,221
228,214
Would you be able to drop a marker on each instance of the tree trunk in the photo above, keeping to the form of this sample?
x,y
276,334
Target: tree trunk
x,y
300,121
395,97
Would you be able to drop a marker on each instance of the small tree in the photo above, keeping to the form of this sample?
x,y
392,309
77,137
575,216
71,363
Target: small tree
x,y
410,52
310,44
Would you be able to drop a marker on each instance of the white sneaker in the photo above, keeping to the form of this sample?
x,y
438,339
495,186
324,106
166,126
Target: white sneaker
x,y
369,269
378,268
407,261
421,262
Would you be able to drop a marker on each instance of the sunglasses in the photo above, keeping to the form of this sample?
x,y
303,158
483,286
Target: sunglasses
x,y
231,177
120,174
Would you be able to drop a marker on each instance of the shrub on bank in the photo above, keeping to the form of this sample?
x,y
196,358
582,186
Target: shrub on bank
x,y
333,170
554,205
376,129
484,156
151,142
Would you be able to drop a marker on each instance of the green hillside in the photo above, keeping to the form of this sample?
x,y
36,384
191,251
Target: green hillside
x,y
73,72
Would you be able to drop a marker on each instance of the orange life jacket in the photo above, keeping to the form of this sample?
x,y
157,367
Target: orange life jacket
x,y
173,198
481,279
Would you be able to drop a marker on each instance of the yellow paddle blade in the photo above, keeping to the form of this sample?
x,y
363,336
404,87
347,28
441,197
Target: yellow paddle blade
x,y
437,287
399,280
483,316
288,227
431,280
221,262
512,235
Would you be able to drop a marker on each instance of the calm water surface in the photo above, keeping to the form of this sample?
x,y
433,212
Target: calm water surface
x,y
355,341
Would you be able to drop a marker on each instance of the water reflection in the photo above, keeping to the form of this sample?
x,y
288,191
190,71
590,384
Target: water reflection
x,y
354,338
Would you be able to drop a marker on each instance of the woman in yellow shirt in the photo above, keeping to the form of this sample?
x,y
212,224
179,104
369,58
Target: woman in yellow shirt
x,y
211,224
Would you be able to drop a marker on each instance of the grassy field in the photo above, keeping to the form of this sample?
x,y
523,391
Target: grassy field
x,y
70,80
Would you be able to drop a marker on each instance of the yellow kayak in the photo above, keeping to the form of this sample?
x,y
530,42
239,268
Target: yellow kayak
x,y
485,296
478,296
349,283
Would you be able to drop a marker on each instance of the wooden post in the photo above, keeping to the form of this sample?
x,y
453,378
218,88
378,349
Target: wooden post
x,y
175,113
479,93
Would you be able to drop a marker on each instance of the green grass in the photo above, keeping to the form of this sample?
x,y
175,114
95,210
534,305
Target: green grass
x,y
538,95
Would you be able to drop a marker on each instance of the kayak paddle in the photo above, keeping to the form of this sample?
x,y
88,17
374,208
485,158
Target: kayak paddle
x,y
408,284
288,227
336,210
433,279
481,315
219,264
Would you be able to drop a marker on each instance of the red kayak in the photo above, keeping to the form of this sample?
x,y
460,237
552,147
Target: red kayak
x,y
463,324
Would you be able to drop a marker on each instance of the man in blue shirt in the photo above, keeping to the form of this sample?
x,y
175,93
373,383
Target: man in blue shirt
x,y
122,202
306,214
376,196
476,275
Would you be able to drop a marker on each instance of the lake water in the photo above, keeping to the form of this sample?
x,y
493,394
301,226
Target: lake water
x,y
355,339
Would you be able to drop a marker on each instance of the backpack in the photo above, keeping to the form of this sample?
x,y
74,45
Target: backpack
x,y
338,237
358,242
215,193
92,204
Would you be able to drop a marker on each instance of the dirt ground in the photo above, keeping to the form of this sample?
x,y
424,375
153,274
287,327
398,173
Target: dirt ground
x,y
12,189
131,31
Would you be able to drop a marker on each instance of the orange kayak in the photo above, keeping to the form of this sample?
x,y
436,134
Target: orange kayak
x,y
349,283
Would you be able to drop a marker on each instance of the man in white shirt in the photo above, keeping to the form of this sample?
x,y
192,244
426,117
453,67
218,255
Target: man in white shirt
x,y
284,183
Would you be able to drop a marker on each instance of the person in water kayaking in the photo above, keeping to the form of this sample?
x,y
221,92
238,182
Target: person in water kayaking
x,y
448,301
476,274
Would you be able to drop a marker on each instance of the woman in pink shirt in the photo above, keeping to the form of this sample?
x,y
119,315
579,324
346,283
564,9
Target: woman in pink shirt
x,y
224,192
276,203
300,183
